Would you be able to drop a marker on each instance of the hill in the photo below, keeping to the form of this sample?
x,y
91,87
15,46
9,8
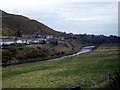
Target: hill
x,y
12,23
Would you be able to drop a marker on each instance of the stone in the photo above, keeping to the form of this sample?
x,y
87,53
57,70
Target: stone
x,y
109,76
94,83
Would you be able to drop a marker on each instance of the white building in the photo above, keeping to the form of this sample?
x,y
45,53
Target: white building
x,y
6,41
49,37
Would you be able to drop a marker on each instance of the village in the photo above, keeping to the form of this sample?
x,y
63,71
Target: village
x,y
27,39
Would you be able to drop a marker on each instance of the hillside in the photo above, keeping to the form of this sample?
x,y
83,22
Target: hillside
x,y
12,23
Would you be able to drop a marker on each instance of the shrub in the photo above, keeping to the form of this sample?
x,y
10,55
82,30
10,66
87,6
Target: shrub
x,y
6,55
35,53
20,48
13,51
39,47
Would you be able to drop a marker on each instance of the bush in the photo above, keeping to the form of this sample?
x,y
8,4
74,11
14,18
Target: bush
x,y
20,48
35,53
6,55
59,53
13,51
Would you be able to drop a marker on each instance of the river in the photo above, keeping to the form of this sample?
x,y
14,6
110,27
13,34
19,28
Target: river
x,y
83,50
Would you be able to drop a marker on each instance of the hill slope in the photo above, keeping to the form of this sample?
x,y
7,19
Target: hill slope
x,y
12,23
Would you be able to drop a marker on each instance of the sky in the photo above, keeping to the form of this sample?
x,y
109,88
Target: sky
x,y
70,16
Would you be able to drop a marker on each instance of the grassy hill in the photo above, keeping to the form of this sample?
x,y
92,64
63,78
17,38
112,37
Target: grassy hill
x,y
12,23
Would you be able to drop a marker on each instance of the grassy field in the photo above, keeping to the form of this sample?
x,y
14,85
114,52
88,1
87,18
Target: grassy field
x,y
80,70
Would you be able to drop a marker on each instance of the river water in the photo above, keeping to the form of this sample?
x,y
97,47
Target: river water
x,y
83,50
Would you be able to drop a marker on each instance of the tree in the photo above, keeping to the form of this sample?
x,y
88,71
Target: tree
x,y
18,33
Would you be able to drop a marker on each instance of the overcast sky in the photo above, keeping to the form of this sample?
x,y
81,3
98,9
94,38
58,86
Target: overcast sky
x,y
71,16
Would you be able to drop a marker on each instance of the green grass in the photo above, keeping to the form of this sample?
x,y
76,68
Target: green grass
x,y
80,70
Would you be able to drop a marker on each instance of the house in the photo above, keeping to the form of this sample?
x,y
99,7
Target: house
x,y
21,41
49,37
7,42
28,41
61,38
36,40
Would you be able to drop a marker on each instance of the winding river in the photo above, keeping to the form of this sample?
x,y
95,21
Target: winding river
x,y
83,50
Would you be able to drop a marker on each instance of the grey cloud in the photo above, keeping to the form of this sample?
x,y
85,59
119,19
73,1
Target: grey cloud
x,y
76,17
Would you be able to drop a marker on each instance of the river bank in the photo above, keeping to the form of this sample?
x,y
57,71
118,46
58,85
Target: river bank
x,y
83,50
